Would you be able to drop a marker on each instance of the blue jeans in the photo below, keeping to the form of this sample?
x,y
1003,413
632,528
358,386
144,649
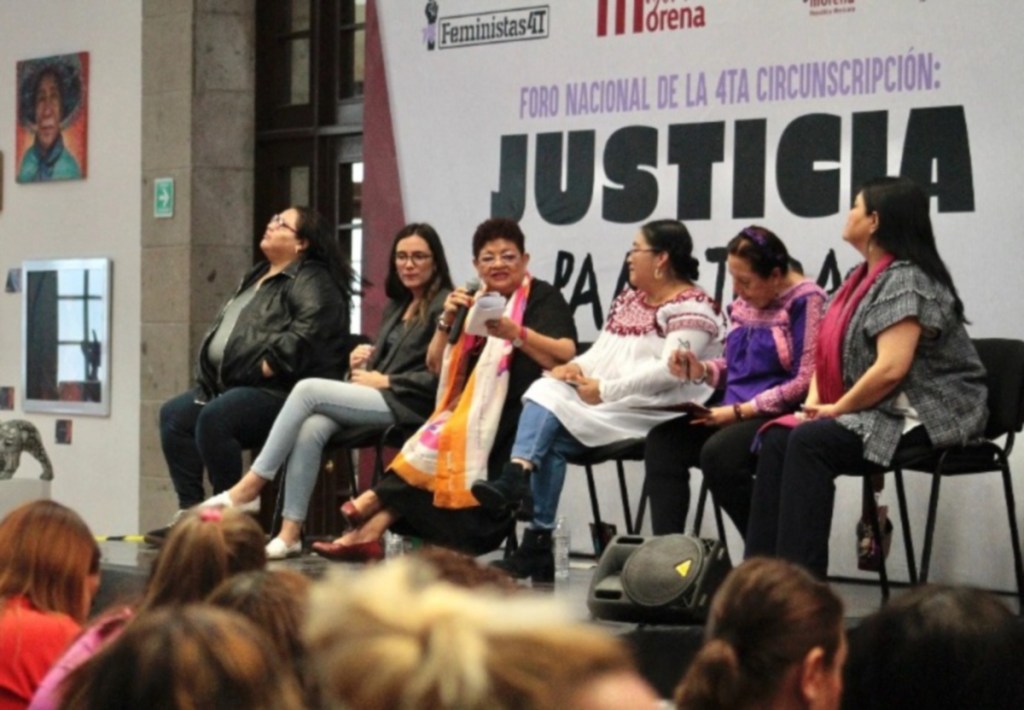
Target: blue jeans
x,y
543,441
195,436
315,411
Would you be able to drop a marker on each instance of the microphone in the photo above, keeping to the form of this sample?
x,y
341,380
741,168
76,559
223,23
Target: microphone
x,y
459,322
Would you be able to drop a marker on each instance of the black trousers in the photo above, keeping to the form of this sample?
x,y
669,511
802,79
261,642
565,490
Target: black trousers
x,y
724,457
794,491
212,436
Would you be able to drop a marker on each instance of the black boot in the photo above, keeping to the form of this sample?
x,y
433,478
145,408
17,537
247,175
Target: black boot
x,y
506,492
533,559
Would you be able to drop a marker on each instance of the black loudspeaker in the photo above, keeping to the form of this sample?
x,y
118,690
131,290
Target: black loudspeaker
x,y
668,579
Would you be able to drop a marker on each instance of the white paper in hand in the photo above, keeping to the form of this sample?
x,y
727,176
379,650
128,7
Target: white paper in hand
x,y
489,306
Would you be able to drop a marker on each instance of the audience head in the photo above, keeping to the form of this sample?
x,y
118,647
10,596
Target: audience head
x,y
181,659
937,647
672,238
49,556
904,227
464,570
499,254
774,635
414,241
202,550
276,601
396,637
758,263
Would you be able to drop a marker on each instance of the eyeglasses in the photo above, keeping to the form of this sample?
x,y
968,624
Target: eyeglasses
x,y
278,221
637,250
417,257
506,257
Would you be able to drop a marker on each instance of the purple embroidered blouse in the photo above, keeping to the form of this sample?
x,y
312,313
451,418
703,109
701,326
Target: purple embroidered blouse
x,y
769,352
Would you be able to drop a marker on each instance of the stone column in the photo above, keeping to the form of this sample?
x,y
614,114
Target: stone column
x,y
198,92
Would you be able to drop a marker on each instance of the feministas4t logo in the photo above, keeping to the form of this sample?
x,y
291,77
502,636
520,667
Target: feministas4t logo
x,y
493,27
638,16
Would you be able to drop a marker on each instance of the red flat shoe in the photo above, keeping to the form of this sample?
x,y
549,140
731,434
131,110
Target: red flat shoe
x,y
350,515
363,552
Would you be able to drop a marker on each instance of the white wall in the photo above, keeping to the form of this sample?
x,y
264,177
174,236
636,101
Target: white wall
x,y
97,474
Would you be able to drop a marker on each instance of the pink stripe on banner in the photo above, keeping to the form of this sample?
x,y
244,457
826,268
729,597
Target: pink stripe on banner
x,y
383,210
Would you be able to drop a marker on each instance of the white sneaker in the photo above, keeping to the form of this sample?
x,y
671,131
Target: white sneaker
x,y
278,549
223,500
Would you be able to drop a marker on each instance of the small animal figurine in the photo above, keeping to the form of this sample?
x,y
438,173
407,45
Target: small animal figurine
x,y
16,436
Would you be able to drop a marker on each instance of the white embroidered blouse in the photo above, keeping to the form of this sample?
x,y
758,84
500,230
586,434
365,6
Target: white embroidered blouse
x,y
630,358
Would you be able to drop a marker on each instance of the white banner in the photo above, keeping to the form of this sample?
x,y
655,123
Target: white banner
x,y
586,118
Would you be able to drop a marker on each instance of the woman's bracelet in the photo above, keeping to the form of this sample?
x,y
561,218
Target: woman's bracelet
x,y
703,375
443,326
738,412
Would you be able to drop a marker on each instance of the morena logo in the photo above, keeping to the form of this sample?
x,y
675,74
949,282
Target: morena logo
x,y
830,7
641,16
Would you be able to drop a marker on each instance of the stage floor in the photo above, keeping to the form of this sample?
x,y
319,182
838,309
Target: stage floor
x,y
662,652
126,564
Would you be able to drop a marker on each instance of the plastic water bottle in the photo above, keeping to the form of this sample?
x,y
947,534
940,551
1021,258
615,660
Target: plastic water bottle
x,y
394,545
560,547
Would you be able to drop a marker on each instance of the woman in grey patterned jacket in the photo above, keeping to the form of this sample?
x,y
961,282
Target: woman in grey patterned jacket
x,y
894,367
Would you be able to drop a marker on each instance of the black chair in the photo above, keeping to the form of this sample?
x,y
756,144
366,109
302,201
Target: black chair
x,y
698,518
1004,362
620,452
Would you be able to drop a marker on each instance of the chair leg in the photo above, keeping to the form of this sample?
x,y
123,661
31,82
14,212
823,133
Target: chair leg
x,y
353,475
876,534
929,528
719,522
511,541
627,513
276,519
595,507
908,543
641,509
378,464
702,499
1011,509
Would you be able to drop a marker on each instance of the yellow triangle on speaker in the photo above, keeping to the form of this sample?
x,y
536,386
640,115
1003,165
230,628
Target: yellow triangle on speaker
x,y
683,568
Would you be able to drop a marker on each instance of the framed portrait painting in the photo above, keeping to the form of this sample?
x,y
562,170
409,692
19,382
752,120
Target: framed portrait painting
x,y
53,118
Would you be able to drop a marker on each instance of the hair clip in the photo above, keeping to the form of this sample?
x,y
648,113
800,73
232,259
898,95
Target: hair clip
x,y
211,515
755,236
761,241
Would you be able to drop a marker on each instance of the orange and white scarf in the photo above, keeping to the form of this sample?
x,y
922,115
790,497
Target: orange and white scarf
x,y
451,449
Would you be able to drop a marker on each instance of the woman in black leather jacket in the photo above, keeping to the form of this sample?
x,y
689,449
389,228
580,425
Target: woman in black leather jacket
x,y
288,320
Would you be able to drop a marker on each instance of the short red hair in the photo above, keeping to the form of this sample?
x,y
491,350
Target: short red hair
x,y
47,553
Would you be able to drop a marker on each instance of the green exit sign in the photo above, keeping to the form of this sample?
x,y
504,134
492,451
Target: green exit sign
x,y
163,198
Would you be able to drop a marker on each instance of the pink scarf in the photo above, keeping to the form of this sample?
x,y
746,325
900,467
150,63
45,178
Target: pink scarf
x,y
828,365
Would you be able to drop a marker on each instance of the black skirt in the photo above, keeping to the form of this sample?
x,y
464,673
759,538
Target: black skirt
x,y
471,530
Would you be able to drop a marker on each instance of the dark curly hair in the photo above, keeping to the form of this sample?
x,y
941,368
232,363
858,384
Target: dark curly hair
x,y
498,228
66,72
